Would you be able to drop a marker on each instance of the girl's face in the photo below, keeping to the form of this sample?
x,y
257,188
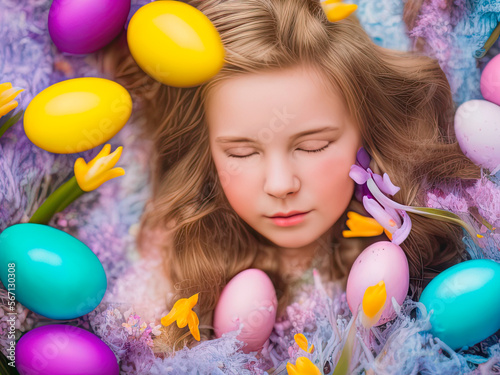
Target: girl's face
x,y
282,142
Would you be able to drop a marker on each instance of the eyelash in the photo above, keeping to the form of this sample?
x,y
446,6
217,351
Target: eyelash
x,y
310,151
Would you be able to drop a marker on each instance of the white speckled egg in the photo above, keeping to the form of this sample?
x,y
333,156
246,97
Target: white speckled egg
x,y
477,127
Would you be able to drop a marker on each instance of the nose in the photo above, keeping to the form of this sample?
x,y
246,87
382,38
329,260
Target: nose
x,y
280,179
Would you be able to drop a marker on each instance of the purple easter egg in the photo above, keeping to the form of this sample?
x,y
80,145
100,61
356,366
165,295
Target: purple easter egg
x,y
59,349
84,26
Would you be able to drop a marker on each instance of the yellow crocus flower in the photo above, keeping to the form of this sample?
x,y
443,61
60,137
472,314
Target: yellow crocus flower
x,y
373,304
7,95
301,341
361,226
335,10
303,366
182,313
99,170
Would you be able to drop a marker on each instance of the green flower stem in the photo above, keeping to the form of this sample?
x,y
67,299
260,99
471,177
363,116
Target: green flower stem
x,y
5,368
11,121
434,213
481,52
66,194
344,362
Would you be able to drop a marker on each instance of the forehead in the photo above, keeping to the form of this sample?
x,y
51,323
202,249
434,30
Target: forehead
x,y
297,97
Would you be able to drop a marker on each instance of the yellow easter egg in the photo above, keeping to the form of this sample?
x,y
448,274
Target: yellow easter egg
x,y
77,114
175,43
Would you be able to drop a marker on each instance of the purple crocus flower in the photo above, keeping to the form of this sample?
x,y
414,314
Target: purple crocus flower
x,y
393,220
392,215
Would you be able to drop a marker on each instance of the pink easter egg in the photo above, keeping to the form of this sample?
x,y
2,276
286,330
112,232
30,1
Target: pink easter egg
x,y
385,261
490,81
477,128
248,298
59,349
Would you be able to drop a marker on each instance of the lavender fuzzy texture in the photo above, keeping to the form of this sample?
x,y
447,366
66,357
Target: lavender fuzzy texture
x,y
107,219
453,35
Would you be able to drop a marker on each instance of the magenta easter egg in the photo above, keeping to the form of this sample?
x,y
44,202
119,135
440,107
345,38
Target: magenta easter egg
x,y
477,128
490,81
248,298
84,26
60,349
385,261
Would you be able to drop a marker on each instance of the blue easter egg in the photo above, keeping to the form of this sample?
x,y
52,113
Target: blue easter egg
x,y
50,272
466,304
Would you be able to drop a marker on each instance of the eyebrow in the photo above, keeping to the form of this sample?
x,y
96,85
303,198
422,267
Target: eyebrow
x,y
294,137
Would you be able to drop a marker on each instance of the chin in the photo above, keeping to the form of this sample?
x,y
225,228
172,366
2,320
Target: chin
x,y
291,241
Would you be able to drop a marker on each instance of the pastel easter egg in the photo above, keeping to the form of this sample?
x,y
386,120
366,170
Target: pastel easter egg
x,y
59,349
490,81
248,298
191,48
385,261
465,302
50,272
77,115
84,26
477,128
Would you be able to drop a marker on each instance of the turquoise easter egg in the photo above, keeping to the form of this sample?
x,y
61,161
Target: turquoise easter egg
x,y
465,300
50,272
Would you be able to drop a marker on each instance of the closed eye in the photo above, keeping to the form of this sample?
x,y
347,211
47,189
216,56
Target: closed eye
x,y
246,156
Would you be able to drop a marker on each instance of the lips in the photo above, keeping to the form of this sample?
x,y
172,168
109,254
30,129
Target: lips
x,y
291,213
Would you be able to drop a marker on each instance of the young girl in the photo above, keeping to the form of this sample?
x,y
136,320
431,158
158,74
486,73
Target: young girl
x,y
288,71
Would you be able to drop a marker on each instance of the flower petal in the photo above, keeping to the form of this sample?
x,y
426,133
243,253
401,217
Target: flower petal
x,y
385,184
336,11
193,322
182,319
193,300
394,214
402,233
391,188
104,152
5,86
109,175
362,226
363,157
6,108
100,169
10,94
384,200
358,174
291,369
373,303
306,367
379,214
301,341
170,317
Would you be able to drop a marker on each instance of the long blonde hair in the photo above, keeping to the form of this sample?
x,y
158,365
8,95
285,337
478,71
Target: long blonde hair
x,y
400,100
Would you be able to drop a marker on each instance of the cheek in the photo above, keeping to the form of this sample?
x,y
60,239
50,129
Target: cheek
x,y
236,181
333,182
